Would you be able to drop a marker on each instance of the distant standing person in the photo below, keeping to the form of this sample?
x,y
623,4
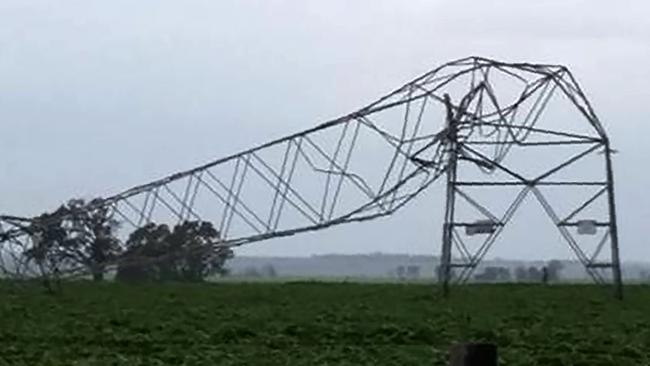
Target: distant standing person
x,y
545,275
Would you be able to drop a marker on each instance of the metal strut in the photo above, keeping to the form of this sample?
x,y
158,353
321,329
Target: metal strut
x,y
448,227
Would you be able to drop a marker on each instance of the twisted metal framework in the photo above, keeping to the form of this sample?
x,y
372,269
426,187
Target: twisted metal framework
x,y
465,116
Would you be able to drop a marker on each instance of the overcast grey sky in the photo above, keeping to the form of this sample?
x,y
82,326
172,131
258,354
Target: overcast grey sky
x,y
97,96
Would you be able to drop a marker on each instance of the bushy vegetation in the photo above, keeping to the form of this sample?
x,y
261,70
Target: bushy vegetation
x,y
186,253
82,236
317,324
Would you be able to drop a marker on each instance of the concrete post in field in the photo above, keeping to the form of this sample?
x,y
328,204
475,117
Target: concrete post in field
x,y
473,354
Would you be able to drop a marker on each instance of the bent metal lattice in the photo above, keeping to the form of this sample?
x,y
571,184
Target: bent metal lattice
x,y
465,120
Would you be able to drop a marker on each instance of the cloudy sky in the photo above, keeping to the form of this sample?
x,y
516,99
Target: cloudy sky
x,y
98,96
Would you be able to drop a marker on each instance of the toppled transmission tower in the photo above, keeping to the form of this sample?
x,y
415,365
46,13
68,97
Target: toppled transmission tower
x,y
484,124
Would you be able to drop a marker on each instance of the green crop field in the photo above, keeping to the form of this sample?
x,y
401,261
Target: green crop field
x,y
318,324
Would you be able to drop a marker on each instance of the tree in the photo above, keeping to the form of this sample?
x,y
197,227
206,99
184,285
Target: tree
x,y
413,272
269,271
92,242
534,274
554,268
48,236
521,274
76,234
644,275
494,274
401,272
199,255
504,274
190,252
252,272
143,246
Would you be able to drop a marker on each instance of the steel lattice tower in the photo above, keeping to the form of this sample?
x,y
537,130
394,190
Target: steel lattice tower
x,y
473,120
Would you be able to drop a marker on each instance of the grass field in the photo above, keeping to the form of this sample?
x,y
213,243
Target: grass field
x,y
318,324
